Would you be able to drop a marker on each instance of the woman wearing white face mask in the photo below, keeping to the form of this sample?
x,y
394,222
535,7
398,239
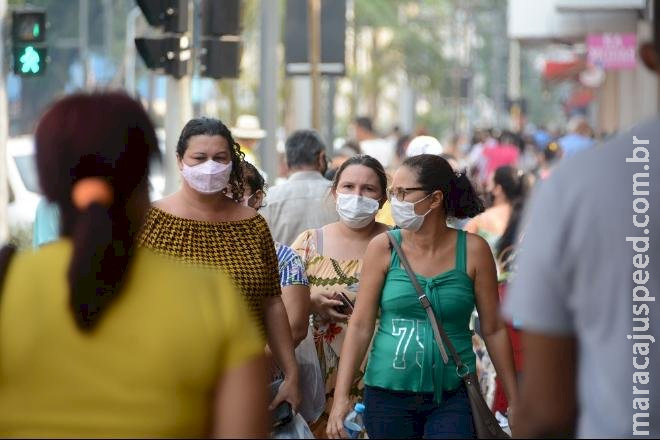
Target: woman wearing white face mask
x,y
202,225
333,260
411,390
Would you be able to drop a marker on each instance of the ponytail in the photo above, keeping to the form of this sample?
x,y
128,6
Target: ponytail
x,y
434,173
102,249
513,181
462,200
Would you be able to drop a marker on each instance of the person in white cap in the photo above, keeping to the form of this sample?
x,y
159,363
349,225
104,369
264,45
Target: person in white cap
x,y
248,133
424,145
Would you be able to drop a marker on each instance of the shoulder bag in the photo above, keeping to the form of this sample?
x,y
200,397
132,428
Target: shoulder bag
x,y
485,424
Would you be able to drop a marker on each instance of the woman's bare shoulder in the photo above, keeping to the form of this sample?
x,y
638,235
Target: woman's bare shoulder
x,y
170,204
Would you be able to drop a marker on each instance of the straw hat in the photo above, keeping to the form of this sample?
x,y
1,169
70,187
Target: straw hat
x,y
247,127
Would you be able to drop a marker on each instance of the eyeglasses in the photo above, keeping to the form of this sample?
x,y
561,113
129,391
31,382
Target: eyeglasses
x,y
401,193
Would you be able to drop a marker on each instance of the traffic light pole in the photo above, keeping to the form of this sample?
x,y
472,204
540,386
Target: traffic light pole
x,y
179,112
4,129
314,18
268,102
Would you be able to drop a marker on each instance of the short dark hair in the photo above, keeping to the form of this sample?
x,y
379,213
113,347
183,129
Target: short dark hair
x,y
303,148
365,123
367,161
215,127
434,173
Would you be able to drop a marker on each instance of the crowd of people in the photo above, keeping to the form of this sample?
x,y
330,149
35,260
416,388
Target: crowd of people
x,y
234,309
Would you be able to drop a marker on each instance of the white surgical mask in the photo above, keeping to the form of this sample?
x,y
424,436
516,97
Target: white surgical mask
x,y
209,177
404,214
356,211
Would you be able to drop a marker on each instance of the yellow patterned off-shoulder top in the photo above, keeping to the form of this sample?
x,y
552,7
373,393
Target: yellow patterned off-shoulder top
x,y
242,248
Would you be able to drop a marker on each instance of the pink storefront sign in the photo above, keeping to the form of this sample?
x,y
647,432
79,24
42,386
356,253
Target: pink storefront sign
x,y
612,51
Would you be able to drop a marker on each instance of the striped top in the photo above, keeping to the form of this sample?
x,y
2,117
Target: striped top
x,y
291,267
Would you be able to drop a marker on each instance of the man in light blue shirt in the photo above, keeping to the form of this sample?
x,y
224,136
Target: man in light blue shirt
x,y
46,223
579,138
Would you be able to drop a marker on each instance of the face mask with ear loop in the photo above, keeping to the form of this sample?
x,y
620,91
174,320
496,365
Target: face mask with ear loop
x,y
404,214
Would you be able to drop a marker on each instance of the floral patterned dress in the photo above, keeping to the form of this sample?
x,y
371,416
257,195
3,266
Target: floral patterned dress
x,y
326,274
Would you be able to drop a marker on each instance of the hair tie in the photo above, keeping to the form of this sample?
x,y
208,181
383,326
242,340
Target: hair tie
x,y
91,190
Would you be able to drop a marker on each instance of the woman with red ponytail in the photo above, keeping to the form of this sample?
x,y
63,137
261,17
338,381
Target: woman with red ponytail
x,y
101,338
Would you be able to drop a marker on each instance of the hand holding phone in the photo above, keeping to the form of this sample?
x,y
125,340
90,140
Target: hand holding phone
x,y
347,305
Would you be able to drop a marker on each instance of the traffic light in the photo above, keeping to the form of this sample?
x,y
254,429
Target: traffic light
x,y
172,15
221,17
221,44
168,53
29,49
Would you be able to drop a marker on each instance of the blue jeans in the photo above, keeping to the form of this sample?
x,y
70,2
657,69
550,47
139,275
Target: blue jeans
x,y
401,414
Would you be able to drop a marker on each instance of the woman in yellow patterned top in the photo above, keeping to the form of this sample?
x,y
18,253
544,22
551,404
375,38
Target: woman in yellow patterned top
x,y
333,260
100,339
203,224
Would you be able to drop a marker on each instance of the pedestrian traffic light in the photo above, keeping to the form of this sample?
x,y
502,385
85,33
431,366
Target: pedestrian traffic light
x,y
169,53
29,49
220,38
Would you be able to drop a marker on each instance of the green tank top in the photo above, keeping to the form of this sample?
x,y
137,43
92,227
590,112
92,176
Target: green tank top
x,y
404,355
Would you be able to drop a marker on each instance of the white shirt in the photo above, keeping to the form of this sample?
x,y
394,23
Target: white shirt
x,y
302,202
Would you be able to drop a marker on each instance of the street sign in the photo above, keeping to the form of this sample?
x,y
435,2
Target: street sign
x,y
333,38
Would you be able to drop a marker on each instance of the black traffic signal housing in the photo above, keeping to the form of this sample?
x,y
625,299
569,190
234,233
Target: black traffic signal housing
x,y
220,59
29,48
220,17
170,54
220,38
171,15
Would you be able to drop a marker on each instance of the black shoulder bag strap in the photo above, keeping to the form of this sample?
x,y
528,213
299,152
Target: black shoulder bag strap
x,y
6,252
438,331
485,424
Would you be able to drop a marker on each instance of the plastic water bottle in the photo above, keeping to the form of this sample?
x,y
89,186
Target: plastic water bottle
x,y
353,422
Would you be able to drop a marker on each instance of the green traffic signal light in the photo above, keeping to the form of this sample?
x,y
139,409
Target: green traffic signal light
x,y
29,60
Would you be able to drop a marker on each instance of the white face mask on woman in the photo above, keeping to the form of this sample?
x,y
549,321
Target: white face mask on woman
x,y
209,177
404,214
356,211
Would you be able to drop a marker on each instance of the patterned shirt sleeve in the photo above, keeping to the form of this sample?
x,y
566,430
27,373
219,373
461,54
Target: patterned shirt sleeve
x,y
292,269
303,245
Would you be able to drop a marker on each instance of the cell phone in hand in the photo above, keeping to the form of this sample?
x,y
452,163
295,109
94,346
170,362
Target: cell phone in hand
x,y
283,414
347,305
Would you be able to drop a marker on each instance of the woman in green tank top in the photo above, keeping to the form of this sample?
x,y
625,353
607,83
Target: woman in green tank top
x,y
410,392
